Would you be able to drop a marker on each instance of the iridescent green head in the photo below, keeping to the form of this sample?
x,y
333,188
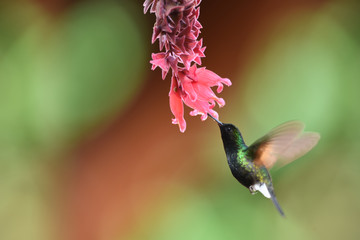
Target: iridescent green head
x,y
230,135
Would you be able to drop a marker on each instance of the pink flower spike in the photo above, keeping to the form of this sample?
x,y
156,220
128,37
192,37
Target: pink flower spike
x,y
177,29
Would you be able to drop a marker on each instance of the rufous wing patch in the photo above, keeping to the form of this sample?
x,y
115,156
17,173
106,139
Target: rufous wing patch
x,y
284,143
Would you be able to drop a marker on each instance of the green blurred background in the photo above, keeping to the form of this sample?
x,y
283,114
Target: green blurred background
x,y
88,151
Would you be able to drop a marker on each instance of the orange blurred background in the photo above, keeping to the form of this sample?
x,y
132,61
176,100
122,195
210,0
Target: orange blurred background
x,y
89,151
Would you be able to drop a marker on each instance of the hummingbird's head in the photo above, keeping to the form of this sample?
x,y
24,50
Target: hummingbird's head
x,y
230,134
232,139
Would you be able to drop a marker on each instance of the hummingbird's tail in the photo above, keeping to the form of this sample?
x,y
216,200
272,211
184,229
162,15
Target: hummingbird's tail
x,y
268,191
275,201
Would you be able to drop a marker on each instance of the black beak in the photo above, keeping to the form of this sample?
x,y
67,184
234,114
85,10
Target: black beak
x,y
218,122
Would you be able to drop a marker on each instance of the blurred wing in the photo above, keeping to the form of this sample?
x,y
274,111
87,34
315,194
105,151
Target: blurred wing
x,y
303,144
285,143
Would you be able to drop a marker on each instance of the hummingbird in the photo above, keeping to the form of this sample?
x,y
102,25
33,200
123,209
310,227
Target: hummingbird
x,y
250,165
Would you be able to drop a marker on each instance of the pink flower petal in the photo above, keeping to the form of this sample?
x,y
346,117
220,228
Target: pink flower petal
x,y
186,59
210,78
176,105
156,33
160,60
200,107
187,87
147,4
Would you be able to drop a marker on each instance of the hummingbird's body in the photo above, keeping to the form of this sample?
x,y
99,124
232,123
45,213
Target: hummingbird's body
x,y
250,164
241,166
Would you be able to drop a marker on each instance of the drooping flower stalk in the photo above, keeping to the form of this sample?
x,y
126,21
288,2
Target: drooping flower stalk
x,y
177,29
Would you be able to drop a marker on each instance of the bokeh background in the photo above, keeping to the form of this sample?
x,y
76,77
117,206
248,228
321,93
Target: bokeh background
x,y
88,151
